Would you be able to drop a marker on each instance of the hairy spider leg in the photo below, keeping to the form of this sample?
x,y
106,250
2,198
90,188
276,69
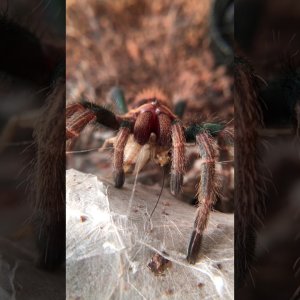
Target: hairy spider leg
x,y
143,127
79,121
153,117
49,217
83,113
224,139
178,157
203,135
206,192
248,184
118,159
74,108
164,130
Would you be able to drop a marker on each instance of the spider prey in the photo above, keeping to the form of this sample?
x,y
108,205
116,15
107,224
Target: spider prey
x,y
150,120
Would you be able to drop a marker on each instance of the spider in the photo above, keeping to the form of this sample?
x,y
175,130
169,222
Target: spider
x,y
151,121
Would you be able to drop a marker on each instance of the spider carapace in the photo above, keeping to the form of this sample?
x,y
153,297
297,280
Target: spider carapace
x,y
150,121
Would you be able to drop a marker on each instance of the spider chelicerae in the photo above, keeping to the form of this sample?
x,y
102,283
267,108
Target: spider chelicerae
x,y
151,120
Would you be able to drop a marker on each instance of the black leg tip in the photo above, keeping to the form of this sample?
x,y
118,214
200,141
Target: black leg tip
x,y
194,247
191,260
176,183
119,177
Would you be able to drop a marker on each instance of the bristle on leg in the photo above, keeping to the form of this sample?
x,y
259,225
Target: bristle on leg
x,y
118,159
73,108
77,123
206,193
142,127
164,134
178,158
79,115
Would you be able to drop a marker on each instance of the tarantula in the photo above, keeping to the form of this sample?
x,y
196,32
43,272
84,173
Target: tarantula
x,y
150,120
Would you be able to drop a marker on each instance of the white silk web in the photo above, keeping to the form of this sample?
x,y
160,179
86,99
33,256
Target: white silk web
x,y
108,251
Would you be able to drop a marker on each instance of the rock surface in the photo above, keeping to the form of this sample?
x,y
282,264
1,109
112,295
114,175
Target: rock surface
x,y
110,242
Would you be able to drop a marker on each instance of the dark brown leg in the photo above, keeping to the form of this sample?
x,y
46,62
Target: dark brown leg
x,y
224,140
78,122
142,127
49,181
249,190
118,160
206,193
73,108
164,134
80,114
178,157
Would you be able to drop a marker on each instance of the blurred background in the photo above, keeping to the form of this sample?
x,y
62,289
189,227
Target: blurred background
x,y
140,44
32,34
267,35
